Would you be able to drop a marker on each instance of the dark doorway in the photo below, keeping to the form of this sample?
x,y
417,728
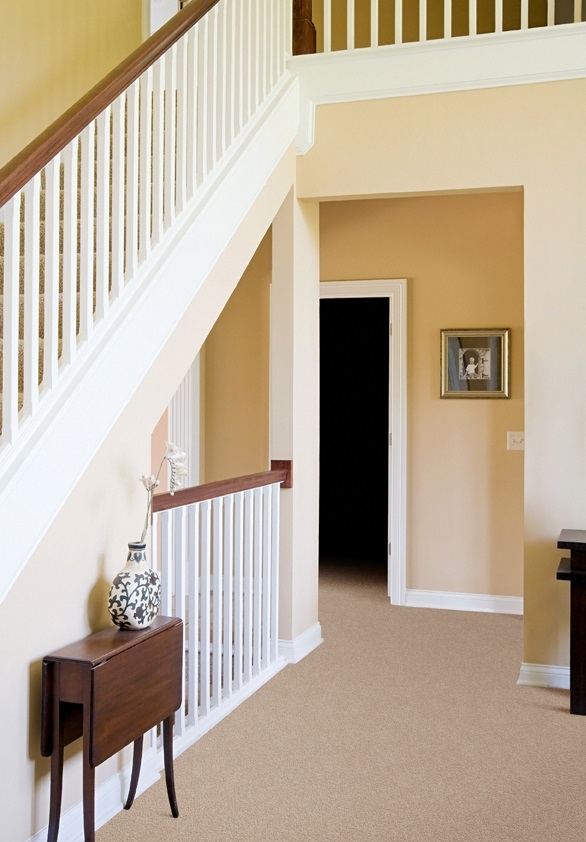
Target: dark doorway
x,y
354,431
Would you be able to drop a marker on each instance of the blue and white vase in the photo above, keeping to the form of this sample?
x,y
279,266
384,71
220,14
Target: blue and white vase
x,y
135,594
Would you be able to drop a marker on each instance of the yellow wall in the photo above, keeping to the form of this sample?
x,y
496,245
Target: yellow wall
x,y
236,390
53,53
531,137
463,258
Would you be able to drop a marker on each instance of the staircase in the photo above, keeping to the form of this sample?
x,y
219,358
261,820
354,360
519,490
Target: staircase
x,y
105,249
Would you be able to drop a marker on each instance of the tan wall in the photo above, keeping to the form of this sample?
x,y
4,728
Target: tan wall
x,y
463,258
529,136
236,378
52,53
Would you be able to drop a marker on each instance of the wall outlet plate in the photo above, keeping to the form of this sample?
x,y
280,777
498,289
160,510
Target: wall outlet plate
x,y
515,441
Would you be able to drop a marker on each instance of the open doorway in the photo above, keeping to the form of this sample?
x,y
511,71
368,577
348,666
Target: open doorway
x,y
354,433
363,428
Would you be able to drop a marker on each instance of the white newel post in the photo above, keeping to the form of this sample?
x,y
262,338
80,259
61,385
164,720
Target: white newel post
x,y
295,417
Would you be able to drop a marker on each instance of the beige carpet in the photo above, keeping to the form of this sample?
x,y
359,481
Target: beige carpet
x,y
405,724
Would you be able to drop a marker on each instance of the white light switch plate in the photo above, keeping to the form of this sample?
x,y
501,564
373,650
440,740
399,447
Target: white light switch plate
x,y
515,441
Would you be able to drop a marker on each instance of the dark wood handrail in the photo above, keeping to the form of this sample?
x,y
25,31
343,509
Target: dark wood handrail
x,y
17,172
281,471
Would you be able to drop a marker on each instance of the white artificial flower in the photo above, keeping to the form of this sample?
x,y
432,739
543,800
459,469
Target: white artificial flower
x,y
177,460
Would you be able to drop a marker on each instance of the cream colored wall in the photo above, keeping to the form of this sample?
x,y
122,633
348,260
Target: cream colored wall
x,y
529,136
463,258
236,392
52,54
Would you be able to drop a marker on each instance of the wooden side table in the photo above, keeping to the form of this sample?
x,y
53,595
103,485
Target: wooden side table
x,y
573,569
112,687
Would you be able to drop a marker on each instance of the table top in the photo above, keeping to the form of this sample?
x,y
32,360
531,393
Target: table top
x,y
572,539
103,645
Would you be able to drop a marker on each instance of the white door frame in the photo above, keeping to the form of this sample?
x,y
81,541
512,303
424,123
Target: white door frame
x,y
396,291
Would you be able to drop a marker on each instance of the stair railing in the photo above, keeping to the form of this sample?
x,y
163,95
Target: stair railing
x,y
353,24
217,549
84,207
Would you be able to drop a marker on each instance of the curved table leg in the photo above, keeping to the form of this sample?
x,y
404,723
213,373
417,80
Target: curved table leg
x,y
56,789
136,761
168,755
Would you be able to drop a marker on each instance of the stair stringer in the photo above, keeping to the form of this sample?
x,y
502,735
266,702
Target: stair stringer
x,y
232,217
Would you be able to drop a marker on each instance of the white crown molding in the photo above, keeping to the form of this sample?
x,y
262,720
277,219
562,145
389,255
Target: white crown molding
x,y
549,54
295,650
464,601
544,675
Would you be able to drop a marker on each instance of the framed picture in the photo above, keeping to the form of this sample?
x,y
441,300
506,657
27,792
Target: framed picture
x,y
475,363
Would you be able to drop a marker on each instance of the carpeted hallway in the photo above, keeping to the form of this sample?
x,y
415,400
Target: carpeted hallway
x,y
405,724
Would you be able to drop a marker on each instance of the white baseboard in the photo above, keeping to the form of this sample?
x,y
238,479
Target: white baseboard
x,y
544,675
464,601
110,799
294,650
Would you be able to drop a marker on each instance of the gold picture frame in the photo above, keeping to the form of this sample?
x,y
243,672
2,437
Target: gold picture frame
x,y
475,363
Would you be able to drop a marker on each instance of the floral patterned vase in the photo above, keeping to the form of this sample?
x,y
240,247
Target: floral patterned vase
x,y
135,594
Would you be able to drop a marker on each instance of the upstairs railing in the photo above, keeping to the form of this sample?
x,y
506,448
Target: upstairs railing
x,y
354,24
217,549
84,207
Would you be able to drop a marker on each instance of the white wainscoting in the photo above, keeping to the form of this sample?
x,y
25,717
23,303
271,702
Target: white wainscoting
x,y
464,601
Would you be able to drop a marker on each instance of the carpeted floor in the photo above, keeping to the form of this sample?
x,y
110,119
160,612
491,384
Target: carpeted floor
x,y
405,724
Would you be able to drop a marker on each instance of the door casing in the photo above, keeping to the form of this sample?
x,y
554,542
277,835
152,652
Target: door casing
x,y
396,291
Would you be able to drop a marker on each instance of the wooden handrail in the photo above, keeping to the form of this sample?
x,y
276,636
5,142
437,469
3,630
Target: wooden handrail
x,y
18,172
281,471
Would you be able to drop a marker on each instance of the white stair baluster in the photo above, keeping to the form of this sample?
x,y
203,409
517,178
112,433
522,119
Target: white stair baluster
x,y
257,586
86,233
10,319
70,192
51,281
104,132
248,582
238,588
193,613
205,610
145,164
217,576
228,609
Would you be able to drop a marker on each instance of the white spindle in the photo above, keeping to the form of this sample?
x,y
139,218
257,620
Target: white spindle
x,y
191,140
181,169
158,149
104,131
232,87
228,608
266,575
145,164
577,11
193,616
447,18
350,23
272,40
205,610
117,210
10,318
214,115
86,233
179,579
257,584
247,43
202,100
170,131
498,16
167,568
274,597
327,26
265,50
238,588
248,582
132,163
374,33
241,26
70,192
423,20
399,21
224,79
524,14
551,12
472,24
32,194
217,576
51,278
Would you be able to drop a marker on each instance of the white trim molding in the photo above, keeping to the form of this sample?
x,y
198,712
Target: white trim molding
x,y
396,291
531,56
544,675
450,601
295,650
